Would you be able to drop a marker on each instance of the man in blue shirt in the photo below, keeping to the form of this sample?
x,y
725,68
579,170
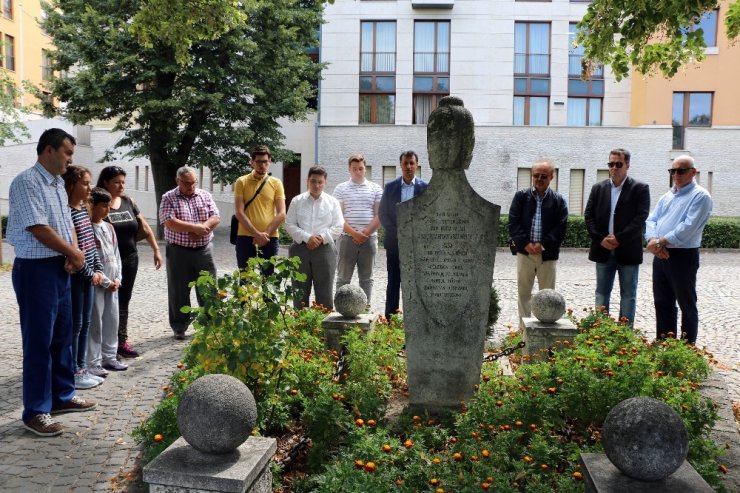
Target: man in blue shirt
x,y
406,187
41,230
673,232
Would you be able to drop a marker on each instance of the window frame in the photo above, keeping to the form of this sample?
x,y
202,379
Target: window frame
x,y
9,49
8,13
374,93
436,73
530,76
685,122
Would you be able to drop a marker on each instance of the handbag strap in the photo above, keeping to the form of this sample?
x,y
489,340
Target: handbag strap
x,y
264,182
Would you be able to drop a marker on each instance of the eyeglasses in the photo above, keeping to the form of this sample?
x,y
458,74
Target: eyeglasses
x,y
540,177
615,164
680,171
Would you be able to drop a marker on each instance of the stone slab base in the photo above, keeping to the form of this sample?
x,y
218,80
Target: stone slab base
x,y
181,468
541,336
603,477
335,325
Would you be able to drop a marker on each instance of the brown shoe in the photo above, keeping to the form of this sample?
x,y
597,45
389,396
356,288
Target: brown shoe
x,y
75,405
44,426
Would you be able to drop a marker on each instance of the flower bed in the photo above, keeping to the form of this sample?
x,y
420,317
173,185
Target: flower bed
x,y
518,433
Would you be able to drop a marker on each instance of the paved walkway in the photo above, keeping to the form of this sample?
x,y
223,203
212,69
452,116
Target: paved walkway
x,y
97,447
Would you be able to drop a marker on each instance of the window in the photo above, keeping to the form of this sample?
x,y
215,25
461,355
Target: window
x,y
146,178
575,192
389,174
585,95
531,73
690,109
602,174
9,52
708,24
524,178
378,72
136,178
431,67
8,9
46,70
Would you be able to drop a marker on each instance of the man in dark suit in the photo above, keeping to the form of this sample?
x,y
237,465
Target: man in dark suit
x,y
615,218
399,190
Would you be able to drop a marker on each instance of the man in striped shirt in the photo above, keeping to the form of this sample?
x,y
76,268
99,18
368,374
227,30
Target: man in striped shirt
x,y
189,216
360,201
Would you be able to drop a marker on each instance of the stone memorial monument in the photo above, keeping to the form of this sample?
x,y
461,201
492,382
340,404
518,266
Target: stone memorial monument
x,y
216,415
447,243
350,301
646,446
547,326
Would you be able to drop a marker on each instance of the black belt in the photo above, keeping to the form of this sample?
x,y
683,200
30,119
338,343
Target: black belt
x,y
188,247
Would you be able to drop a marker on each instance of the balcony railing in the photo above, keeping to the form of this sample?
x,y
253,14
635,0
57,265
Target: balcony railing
x,y
531,64
425,62
385,61
575,69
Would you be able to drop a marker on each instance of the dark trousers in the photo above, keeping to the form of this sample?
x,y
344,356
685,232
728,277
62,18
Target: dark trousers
x,y
183,267
42,288
674,280
320,267
129,267
82,304
245,250
393,265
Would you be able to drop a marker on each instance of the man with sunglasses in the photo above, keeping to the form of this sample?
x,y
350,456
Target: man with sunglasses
x,y
674,231
615,218
537,220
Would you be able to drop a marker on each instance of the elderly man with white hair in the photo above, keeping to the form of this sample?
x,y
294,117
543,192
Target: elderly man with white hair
x,y
189,216
673,233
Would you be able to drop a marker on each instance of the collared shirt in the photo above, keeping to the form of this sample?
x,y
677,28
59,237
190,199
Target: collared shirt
x,y
616,190
261,211
37,198
535,235
358,202
407,191
196,208
308,217
680,216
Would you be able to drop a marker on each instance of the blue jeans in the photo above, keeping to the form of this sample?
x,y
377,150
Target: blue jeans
x,y
82,304
42,290
628,275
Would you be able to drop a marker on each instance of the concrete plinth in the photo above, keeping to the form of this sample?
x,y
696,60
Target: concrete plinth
x,y
335,325
603,477
540,336
181,468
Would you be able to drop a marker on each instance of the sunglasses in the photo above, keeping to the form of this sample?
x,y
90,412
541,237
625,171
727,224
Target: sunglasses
x,y
680,171
540,177
615,164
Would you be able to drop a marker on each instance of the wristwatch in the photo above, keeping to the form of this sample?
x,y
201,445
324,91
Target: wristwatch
x,y
658,245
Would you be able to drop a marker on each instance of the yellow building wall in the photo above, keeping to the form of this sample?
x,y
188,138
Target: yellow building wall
x,y
652,97
29,41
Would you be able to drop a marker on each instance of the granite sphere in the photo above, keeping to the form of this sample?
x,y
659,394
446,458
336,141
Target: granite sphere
x,y
216,414
350,300
548,305
645,438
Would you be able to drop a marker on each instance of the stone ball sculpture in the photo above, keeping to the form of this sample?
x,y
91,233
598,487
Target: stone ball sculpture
x,y
450,135
216,414
350,300
548,305
645,439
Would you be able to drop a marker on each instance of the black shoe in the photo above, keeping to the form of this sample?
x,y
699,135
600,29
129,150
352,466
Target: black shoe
x,y
179,335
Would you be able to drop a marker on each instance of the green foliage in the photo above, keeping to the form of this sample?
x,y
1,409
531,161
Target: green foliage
x,y
720,232
12,127
525,433
244,72
494,307
651,36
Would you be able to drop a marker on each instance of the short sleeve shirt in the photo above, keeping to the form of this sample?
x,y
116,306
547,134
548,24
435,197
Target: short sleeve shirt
x,y
358,201
124,222
196,208
37,198
261,211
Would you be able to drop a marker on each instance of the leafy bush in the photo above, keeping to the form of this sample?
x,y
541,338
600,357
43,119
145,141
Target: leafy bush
x,y
525,433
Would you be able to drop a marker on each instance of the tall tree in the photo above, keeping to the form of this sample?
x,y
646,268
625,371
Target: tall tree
x,y
652,36
12,127
190,82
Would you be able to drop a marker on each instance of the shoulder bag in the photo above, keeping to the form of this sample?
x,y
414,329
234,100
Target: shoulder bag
x,y
235,222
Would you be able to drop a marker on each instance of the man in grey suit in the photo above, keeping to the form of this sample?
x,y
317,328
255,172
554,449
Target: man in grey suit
x,y
615,218
399,190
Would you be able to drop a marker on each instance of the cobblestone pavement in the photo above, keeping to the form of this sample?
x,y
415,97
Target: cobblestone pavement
x,y
97,445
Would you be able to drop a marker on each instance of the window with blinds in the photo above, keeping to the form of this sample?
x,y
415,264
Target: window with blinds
x,y
389,174
575,192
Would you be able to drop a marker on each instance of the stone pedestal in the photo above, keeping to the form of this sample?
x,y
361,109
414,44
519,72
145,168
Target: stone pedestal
x,y
335,325
542,335
181,468
603,477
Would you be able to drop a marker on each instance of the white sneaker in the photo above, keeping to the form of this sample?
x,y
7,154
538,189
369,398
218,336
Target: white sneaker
x,y
85,381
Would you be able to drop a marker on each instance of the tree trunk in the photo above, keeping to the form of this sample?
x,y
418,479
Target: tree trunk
x,y
163,172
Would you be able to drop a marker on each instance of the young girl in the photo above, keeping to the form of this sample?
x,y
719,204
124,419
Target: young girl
x,y
103,341
77,182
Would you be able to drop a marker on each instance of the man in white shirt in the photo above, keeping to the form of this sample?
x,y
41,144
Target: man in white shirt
x,y
314,222
360,201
